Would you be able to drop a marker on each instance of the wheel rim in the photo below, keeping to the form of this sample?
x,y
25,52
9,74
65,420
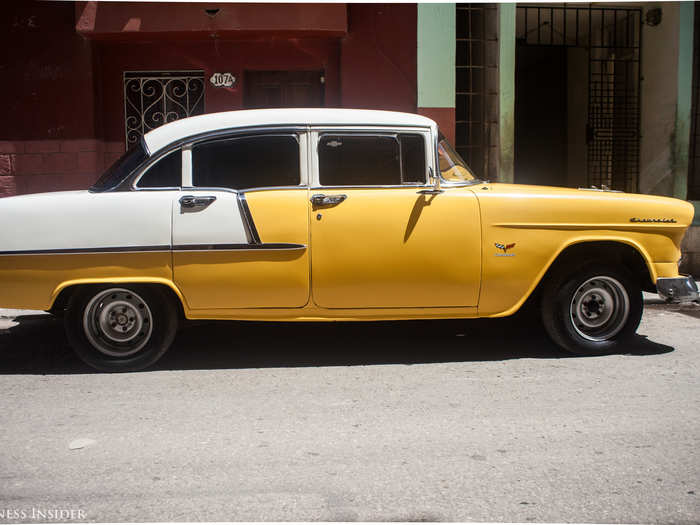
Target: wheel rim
x,y
599,308
117,322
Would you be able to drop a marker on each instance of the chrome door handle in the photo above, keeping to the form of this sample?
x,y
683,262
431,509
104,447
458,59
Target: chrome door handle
x,y
190,201
319,199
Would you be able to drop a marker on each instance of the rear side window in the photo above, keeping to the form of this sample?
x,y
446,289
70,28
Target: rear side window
x,y
371,160
247,162
413,158
167,172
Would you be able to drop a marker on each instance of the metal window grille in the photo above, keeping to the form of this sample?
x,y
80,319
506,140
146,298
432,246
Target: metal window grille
x,y
694,157
613,37
152,98
476,116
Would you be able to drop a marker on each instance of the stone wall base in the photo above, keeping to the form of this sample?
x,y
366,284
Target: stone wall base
x,y
690,262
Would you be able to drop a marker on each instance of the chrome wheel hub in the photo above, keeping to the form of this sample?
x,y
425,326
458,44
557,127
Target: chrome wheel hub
x,y
600,308
117,322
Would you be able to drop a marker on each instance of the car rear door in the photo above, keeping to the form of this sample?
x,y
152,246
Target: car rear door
x,y
240,227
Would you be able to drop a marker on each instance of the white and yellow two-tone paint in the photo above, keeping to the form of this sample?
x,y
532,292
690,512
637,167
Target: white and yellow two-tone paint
x,y
451,248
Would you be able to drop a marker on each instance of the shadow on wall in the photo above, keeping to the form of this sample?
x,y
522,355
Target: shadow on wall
x,y
37,345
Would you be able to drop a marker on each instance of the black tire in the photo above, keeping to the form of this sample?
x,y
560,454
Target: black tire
x,y
121,328
594,309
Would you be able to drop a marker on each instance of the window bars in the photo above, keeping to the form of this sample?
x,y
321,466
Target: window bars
x,y
612,36
476,104
153,98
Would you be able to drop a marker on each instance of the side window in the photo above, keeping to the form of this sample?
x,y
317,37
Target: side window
x,y
413,158
165,173
247,162
371,160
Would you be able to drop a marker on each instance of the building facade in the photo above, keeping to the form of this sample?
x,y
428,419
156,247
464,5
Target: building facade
x,y
561,94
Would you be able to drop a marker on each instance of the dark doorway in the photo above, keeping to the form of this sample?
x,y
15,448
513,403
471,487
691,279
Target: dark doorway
x,y
283,89
540,115
577,103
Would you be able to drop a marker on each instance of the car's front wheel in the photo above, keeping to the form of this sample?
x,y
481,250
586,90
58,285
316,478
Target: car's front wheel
x,y
592,311
120,328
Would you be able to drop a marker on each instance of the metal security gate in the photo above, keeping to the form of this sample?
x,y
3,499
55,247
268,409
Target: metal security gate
x,y
153,98
612,36
476,75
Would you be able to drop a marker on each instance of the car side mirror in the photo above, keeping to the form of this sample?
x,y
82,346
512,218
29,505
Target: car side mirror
x,y
434,180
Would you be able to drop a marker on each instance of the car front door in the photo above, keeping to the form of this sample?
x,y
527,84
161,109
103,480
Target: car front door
x,y
380,237
240,227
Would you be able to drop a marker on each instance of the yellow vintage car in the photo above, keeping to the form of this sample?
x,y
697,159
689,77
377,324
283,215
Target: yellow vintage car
x,y
323,215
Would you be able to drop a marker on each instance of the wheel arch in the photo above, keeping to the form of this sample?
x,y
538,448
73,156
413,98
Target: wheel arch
x,y
618,250
62,294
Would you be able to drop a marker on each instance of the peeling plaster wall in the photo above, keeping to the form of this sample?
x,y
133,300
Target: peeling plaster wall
x,y
659,98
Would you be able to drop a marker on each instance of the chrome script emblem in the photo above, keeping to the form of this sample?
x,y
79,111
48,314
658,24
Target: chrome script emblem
x,y
635,219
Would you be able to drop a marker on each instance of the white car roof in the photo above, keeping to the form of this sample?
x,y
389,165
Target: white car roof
x,y
187,127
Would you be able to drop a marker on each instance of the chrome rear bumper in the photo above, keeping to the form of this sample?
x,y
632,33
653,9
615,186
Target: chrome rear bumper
x,y
677,289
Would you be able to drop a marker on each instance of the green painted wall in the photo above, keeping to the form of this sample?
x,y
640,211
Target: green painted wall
x,y
696,218
681,136
436,55
506,91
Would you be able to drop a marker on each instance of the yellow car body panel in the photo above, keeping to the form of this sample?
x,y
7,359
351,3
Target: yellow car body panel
x,y
228,279
382,254
540,222
396,248
35,281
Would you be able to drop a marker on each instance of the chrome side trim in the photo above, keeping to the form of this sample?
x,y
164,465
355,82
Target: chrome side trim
x,y
238,247
248,223
72,251
163,248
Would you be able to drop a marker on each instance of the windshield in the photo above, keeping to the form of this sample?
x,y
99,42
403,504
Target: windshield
x,y
452,166
121,169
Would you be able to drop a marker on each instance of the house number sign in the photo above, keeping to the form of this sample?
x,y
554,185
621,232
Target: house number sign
x,y
222,80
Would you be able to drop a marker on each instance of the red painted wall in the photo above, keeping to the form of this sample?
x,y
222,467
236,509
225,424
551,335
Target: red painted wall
x,y
135,20
262,53
378,57
46,68
63,106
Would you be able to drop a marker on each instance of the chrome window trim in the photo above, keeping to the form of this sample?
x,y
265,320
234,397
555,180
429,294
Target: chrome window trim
x,y
243,190
372,186
248,222
186,165
128,183
444,181
317,131
299,135
149,163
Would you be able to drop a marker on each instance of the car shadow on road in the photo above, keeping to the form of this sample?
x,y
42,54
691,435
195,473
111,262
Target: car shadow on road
x,y
37,344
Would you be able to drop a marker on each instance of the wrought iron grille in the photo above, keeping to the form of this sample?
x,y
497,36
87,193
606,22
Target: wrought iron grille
x,y
476,116
152,98
613,38
694,157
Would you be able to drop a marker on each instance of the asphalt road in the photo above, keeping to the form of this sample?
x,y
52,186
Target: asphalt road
x,y
418,421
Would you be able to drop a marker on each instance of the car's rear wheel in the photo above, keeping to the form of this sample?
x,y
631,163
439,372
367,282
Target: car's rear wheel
x,y
594,310
120,328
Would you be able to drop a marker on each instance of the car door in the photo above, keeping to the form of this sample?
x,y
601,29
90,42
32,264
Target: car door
x,y
379,238
240,229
